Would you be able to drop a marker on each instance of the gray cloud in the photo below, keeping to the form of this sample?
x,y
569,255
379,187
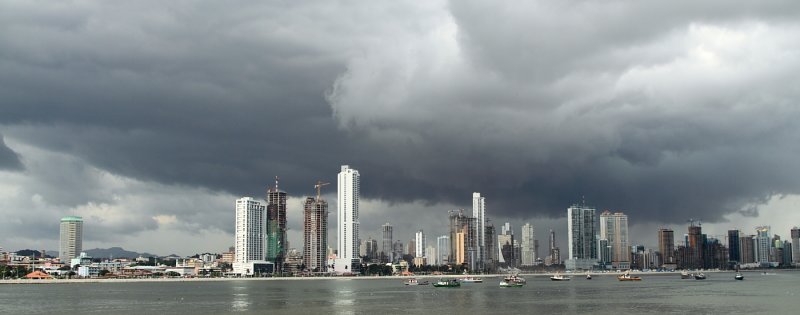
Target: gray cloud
x,y
9,160
664,111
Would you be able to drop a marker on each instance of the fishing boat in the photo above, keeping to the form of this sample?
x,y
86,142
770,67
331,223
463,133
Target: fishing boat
x,y
559,277
447,283
700,276
510,284
628,277
738,276
515,279
686,275
470,280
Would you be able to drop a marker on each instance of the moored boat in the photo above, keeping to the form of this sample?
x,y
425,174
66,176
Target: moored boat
x,y
700,276
628,277
588,276
515,279
510,284
559,277
738,276
447,283
470,280
686,275
411,281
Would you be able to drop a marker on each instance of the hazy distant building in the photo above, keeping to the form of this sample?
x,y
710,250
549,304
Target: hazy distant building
x,y
479,214
398,251
411,247
528,245
614,228
581,224
795,245
71,240
505,245
443,249
431,257
666,248
315,234
348,193
420,244
276,226
250,236
387,251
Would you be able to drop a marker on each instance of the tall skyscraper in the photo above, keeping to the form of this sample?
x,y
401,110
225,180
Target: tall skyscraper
x,y
581,225
734,249
420,244
614,228
666,247
276,226
763,244
554,253
315,233
349,190
528,245
462,239
250,235
695,245
479,214
386,246
795,233
748,254
443,249
71,241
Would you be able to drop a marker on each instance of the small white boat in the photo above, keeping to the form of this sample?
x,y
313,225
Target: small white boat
x,y
559,277
588,277
470,280
738,276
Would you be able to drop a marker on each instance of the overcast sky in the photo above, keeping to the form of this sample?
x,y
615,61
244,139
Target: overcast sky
x,y
150,118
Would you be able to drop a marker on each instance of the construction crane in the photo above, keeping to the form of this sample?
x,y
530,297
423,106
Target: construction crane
x,y
318,187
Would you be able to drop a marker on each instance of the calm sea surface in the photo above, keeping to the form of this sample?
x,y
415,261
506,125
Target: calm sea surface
x,y
656,294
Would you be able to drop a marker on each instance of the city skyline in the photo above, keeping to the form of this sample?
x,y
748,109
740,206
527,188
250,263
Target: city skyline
x,y
146,118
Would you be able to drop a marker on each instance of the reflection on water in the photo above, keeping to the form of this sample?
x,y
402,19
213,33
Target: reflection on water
x,y
240,303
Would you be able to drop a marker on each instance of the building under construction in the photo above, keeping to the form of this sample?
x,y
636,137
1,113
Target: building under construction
x,y
315,231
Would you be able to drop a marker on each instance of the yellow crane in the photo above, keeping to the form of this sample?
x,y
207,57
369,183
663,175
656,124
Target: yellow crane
x,y
318,187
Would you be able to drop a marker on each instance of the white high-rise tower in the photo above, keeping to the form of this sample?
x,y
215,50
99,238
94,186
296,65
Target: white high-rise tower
x,y
528,245
250,235
349,189
479,213
420,244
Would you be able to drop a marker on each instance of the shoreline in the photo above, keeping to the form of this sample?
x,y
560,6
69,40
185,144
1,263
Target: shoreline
x,y
398,278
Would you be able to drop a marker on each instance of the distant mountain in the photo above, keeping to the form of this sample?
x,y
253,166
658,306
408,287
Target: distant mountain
x,y
34,252
115,252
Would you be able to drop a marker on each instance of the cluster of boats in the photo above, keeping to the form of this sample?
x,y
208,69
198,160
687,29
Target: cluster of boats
x,y
702,276
513,281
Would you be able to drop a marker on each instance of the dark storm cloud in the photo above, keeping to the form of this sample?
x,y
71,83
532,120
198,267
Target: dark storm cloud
x,y
9,160
662,111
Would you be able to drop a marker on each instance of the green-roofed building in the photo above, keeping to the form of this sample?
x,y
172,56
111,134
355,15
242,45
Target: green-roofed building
x,y
71,238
